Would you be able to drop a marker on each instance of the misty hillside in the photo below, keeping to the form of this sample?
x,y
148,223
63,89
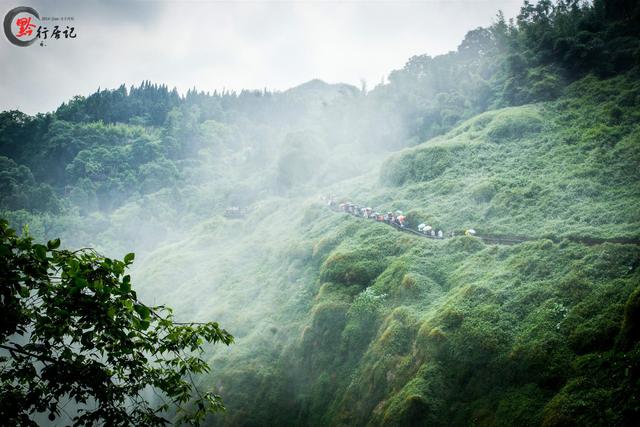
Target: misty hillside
x,y
529,131
346,321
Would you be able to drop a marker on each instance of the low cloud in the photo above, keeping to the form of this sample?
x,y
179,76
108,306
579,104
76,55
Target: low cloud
x,y
215,45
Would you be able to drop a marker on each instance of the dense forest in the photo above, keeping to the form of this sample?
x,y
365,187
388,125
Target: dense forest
x,y
94,153
530,128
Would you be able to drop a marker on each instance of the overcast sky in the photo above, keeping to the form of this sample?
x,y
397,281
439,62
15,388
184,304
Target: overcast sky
x,y
234,45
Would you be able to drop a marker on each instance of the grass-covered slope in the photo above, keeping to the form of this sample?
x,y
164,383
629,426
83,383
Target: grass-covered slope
x,y
570,167
344,321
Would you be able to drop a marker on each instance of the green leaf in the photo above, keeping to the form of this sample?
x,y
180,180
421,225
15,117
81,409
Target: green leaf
x,y
53,244
144,324
41,251
135,322
125,287
143,311
74,267
128,258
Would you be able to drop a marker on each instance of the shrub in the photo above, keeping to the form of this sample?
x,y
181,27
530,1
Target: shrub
x,y
352,268
520,407
420,402
630,330
423,163
483,191
514,123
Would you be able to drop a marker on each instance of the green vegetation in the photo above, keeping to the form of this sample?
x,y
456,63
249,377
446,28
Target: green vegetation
x,y
500,172
73,330
530,128
383,328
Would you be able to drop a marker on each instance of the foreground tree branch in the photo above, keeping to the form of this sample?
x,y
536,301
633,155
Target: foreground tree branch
x,y
74,329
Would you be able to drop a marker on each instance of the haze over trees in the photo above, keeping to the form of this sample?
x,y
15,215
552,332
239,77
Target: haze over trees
x,y
531,127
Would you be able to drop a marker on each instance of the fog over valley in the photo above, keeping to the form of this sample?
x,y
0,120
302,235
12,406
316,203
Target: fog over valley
x,y
427,213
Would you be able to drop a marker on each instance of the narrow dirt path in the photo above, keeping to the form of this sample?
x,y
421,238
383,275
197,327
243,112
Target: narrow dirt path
x,y
505,239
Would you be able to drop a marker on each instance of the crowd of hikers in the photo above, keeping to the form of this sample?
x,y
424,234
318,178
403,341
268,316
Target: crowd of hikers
x,y
396,219
235,212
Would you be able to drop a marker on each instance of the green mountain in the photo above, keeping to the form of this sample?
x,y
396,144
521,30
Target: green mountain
x,y
529,132
346,321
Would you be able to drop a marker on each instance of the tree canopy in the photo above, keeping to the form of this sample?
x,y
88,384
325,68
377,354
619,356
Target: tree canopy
x,y
75,331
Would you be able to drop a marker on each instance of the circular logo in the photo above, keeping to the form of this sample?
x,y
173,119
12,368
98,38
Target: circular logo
x,y
20,25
